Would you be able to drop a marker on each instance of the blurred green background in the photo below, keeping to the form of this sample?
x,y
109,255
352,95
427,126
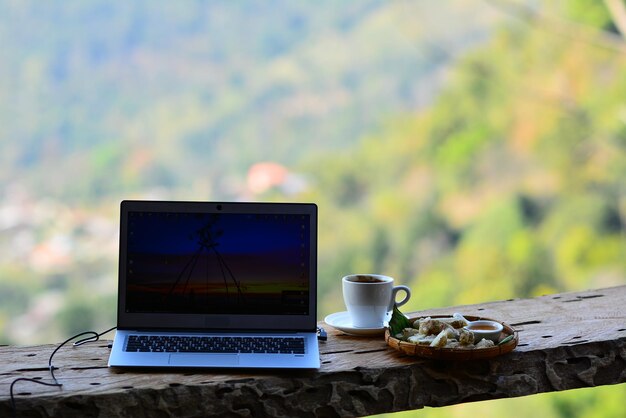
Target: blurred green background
x,y
449,144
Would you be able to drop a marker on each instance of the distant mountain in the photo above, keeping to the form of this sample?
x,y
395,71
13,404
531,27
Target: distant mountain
x,y
510,185
100,98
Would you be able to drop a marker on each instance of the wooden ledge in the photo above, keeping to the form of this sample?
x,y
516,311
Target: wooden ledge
x,y
567,341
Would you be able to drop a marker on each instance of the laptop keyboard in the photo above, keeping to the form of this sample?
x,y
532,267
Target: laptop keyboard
x,y
206,344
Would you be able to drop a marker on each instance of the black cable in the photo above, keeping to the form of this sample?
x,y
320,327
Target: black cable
x,y
94,336
26,379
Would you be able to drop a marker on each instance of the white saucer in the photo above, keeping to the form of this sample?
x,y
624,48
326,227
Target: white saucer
x,y
342,322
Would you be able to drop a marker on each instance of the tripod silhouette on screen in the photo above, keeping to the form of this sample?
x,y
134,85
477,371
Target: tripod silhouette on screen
x,y
207,240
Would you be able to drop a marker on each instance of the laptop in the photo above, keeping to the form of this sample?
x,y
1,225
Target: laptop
x,y
217,284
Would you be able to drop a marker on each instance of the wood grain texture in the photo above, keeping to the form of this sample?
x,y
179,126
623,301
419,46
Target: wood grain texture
x,y
567,341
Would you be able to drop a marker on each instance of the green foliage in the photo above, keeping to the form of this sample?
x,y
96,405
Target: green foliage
x,y
596,402
590,12
155,94
86,312
76,317
508,186
398,321
14,295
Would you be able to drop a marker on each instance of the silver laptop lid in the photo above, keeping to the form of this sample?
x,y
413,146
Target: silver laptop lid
x,y
217,266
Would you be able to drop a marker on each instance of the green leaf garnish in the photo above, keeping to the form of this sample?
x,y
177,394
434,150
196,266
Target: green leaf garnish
x,y
506,340
398,322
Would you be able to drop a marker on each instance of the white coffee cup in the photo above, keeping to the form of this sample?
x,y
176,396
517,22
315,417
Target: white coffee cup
x,y
370,297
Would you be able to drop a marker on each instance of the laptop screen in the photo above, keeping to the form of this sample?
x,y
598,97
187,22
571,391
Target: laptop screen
x,y
218,265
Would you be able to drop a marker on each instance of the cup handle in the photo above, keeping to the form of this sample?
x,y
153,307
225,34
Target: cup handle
x,y
393,296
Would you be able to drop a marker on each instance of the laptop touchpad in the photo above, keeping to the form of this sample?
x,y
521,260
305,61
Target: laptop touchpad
x,y
204,360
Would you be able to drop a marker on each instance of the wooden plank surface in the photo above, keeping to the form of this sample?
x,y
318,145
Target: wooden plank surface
x,y
567,341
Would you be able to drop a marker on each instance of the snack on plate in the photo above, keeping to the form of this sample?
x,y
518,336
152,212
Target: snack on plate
x,y
436,332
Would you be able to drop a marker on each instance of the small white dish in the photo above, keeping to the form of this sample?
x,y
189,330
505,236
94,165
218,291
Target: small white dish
x,y
487,329
342,322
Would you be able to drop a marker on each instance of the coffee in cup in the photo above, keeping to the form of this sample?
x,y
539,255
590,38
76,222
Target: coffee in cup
x,y
369,298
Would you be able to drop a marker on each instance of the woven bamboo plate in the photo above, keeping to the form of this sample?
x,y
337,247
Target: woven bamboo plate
x,y
455,353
